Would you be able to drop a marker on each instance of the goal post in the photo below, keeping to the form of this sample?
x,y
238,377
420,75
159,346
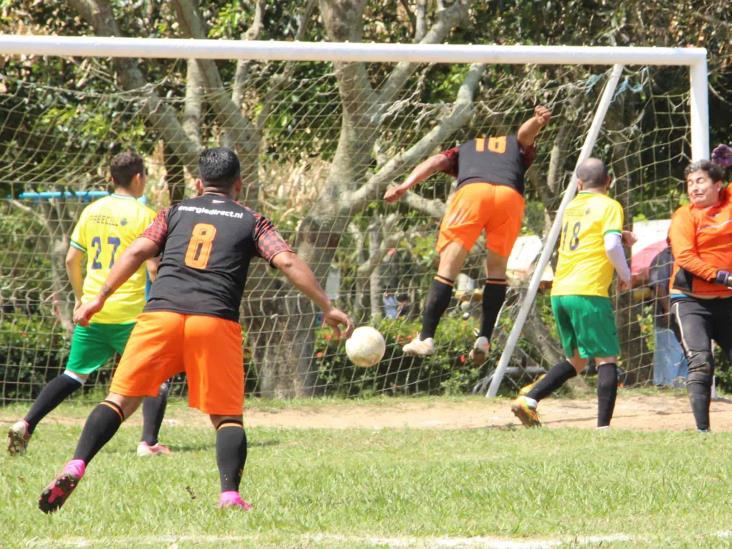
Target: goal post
x,y
373,260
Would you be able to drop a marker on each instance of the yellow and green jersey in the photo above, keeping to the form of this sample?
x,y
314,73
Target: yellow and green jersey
x,y
583,267
105,229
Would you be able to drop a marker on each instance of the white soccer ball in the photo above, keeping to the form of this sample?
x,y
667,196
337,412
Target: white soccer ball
x,y
366,346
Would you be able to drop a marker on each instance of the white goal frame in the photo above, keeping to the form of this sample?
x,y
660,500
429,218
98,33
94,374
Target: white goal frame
x,y
693,58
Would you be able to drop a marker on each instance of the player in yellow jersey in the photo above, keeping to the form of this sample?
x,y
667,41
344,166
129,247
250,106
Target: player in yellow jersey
x,y
104,230
589,251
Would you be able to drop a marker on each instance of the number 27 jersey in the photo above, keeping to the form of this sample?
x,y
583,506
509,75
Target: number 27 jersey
x,y
104,230
583,267
206,246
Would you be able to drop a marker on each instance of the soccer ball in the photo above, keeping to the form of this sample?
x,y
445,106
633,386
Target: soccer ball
x,y
365,347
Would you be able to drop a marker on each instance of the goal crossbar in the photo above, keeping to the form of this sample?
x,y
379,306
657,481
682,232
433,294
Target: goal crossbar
x,y
180,48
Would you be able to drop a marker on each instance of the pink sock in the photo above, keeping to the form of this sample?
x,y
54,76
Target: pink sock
x,y
75,467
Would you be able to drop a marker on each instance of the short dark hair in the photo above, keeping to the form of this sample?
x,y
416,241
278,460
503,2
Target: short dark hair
x,y
715,171
124,167
593,173
219,167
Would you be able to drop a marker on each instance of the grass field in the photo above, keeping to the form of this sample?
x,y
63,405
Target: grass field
x,y
477,487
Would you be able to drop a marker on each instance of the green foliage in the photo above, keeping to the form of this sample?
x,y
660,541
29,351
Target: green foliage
x,y
32,351
448,371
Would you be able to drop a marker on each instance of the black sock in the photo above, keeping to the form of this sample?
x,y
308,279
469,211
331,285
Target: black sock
x,y
100,427
438,299
699,388
231,453
607,391
51,396
553,380
494,293
153,411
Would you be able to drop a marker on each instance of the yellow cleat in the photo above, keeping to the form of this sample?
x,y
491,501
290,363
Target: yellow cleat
x,y
526,414
526,388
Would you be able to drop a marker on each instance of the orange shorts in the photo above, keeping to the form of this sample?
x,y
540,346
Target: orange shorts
x,y
497,209
208,349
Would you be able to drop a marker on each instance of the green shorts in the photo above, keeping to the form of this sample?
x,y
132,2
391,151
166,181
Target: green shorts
x,y
586,323
92,346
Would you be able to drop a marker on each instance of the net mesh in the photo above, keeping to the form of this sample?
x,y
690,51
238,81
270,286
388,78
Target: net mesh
x,y
317,154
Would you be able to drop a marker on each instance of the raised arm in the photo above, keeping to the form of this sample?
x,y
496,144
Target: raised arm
x,y
436,163
135,255
528,131
302,277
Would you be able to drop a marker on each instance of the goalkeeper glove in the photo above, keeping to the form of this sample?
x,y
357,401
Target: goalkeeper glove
x,y
724,278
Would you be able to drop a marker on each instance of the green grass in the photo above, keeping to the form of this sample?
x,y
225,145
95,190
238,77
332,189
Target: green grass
x,y
363,488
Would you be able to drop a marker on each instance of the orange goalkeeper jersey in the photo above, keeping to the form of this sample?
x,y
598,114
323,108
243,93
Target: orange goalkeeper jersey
x,y
701,240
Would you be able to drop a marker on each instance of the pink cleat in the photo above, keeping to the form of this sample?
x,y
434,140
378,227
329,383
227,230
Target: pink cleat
x,y
233,499
56,493
144,449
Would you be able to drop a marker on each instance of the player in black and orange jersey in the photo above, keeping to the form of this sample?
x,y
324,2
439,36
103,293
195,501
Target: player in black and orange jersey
x,y
191,321
489,197
701,283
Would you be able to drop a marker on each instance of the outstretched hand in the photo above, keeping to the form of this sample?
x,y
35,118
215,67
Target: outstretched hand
x,y
85,311
393,194
542,114
722,155
335,318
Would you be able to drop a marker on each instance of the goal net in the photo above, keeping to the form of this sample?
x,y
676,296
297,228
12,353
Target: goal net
x,y
319,143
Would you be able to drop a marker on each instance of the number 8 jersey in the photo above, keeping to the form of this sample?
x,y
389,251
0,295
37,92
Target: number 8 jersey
x,y
206,244
583,267
104,230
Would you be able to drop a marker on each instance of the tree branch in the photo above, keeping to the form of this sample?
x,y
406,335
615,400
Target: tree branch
x,y
98,13
192,105
461,113
447,20
243,133
242,66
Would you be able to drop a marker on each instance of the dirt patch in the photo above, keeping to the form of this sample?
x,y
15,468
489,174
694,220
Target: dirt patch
x,y
637,412
646,413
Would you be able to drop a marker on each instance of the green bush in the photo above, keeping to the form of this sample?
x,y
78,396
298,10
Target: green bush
x,y
448,371
32,351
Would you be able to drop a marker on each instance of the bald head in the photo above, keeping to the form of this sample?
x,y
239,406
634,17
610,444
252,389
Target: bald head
x,y
593,173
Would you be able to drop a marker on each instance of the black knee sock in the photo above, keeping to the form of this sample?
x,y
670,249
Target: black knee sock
x,y
699,388
231,453
494,294
100,427
51,396
153,411
438,299
607,391
553,380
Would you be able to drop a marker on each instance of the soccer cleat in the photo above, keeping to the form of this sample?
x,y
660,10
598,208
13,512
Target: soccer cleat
x,y
479,352
233,499
526,388
144,449
526,413
56,493
419,347
18,437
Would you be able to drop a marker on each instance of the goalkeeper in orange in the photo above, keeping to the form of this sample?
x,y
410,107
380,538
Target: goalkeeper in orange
x,y
104,230
489,197
591,248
